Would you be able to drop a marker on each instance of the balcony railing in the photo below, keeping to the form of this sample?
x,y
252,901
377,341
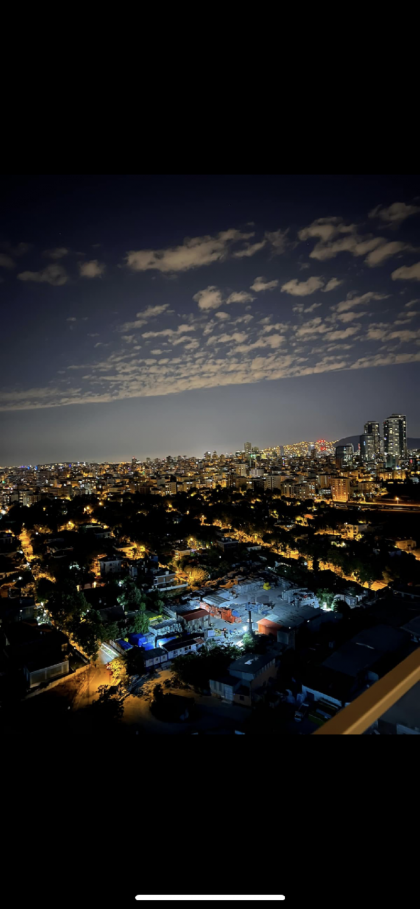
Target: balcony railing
x,y
358,716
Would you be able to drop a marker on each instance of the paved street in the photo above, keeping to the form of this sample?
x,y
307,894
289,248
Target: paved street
x,y
214,714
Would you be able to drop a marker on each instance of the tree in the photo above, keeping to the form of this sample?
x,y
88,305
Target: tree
x,y
325,597
196,576
343,608
256,643
158,692
134,661
196,669
131,597
154,601
108,707
139,623
68,602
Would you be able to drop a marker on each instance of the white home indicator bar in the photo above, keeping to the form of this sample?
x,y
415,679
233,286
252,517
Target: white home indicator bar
x,y
255,898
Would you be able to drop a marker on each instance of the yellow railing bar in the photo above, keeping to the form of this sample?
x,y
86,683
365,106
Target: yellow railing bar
x,y
375,701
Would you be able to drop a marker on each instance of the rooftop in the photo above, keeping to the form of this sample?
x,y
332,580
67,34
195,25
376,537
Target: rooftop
x,y
251,663
46,659
365,649
193,614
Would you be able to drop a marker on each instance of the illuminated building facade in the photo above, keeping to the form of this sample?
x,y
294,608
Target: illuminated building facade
x,y
344,454
395,436
340,489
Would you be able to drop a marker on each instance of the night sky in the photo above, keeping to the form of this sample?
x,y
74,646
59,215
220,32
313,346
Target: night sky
x,y
146,316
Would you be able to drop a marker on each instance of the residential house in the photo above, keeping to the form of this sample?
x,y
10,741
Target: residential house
x,y
181,646
110,565
246,678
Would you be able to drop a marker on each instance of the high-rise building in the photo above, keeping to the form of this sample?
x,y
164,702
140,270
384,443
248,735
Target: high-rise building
x,y
247,447
372,429
395,436
367,447
340,489
344,454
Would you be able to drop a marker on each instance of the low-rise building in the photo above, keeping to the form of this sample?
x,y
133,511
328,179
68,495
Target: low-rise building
x,y
155,657
181,646
245,678
110,565
44,667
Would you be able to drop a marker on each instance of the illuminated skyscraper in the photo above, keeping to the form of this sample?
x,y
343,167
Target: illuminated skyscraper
x,y
247,447
372,429
395,436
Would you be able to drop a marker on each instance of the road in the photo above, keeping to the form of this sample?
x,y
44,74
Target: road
x,y
215,716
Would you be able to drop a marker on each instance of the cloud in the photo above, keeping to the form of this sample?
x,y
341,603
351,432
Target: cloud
x,y
241,319
325,229
351,301
343,333
168,332
237,336
222,316
249,250
331,285
412,302
383,331
313,327
151,312
279,242
240,297
335,236
210,298
278,326
311,308
350,316
405,317
389,359
384,252
302,288
273,341
55,275
19,250
92,269
261,284
57,253
395,213
193,253
407,273
193,344
121,376
71,319
7,261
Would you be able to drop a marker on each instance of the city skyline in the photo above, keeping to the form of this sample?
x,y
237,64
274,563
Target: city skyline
x,y
145,315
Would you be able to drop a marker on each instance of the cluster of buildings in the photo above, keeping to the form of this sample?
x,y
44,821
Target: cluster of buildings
x,y
389,449
319,469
